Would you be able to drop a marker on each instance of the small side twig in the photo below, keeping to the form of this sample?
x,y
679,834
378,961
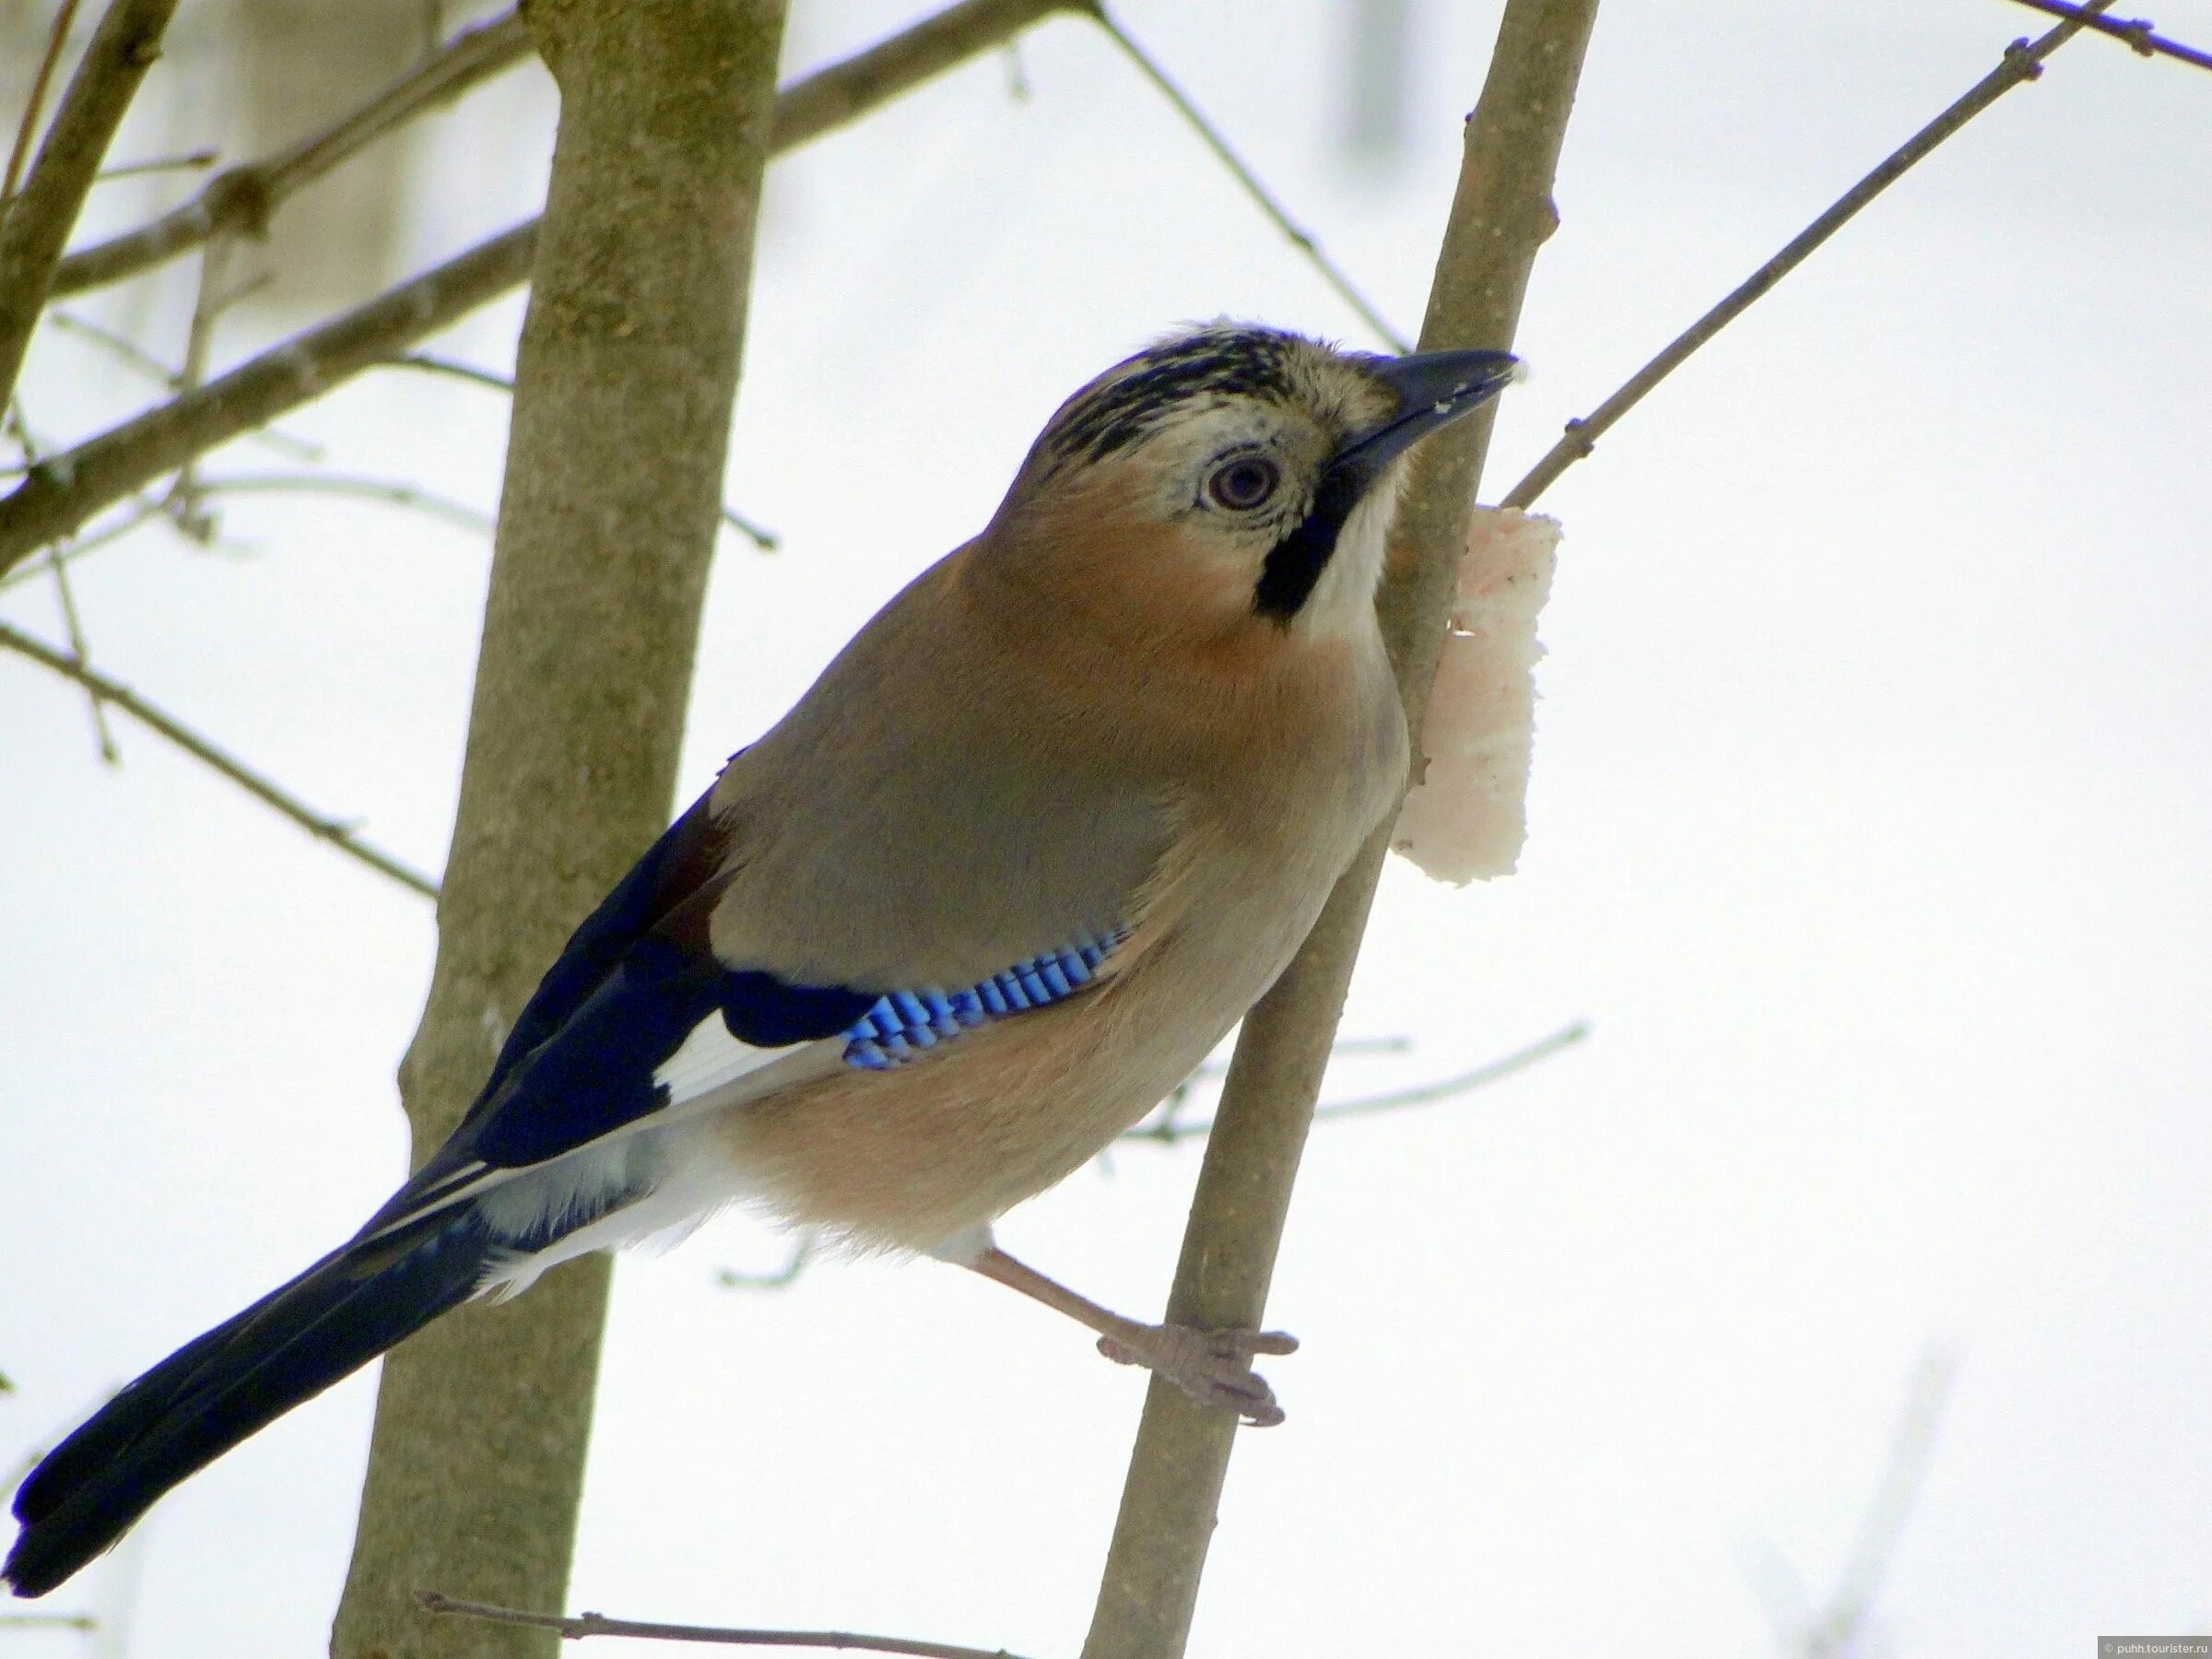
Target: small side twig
x,y
1838,1627
1911,1449
64,593
2140,33
427,362
431,364
1166,1130
141,509
730,1278
190,161
153,367
73,621
47,1621
209,300
348,484
339,835
1210,136
2023,61
598,1624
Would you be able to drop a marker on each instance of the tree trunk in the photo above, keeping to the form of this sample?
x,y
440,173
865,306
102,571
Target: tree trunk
x,y
1501,216
624,377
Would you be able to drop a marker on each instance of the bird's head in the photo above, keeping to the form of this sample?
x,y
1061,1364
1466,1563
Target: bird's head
x,y
1229,477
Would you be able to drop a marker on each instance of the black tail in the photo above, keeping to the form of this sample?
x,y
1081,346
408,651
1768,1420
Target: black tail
x,y
213,1393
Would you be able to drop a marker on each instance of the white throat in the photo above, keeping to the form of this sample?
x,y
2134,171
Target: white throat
x,y
1343,601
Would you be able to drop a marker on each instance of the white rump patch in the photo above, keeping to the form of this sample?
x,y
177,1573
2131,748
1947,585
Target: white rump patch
x,y
680,1173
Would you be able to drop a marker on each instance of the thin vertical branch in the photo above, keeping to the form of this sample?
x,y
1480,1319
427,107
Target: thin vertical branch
x,y
1501,216
36,223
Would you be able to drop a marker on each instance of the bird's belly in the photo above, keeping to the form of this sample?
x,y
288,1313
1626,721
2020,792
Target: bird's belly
x,y
907,1157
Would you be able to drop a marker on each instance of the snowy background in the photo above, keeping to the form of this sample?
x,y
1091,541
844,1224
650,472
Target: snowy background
x,y
1869,830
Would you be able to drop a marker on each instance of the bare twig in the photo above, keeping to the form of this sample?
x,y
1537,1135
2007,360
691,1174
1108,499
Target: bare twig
x,y
1839,1627
209,302
2022,62
1299,238
240,199
36,222
190,161
766,540
244,197
339,835
1445,1088
599,1624
47,1621
843,92
128,349
64,593
1166,1131
64,490
2140,33
142,508
1911,1447
153,367
451,366
730,1278
73,486
34,105
348,484
1501,215
74,623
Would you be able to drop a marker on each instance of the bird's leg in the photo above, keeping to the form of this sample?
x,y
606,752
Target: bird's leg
x,y
1213,1366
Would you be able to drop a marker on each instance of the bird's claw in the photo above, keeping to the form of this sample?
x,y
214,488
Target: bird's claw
x,y
1212,1367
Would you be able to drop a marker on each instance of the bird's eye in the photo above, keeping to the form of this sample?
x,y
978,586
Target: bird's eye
x,y
1244,483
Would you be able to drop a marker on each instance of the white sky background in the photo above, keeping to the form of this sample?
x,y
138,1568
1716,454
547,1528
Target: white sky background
x,y
1868,829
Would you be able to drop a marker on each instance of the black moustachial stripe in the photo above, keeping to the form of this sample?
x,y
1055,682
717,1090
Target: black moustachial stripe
x,y
1296,562
1215,362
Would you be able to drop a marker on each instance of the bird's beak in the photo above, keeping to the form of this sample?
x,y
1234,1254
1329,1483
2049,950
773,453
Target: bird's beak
x,y
1433,388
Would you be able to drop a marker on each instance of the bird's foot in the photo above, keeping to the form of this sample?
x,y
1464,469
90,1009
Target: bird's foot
x,y
1213,1366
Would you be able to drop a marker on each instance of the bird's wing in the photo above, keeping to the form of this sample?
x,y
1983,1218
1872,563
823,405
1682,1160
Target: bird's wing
x,y
642,1018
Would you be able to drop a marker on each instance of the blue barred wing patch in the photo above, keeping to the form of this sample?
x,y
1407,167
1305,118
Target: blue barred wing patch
x,y
902,1023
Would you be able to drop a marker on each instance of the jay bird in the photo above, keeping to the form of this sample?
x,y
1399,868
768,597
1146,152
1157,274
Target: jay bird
x,y
1023,854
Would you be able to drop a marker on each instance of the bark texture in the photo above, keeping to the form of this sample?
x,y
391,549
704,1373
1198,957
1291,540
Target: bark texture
x,y
625,375
1501,216
36,221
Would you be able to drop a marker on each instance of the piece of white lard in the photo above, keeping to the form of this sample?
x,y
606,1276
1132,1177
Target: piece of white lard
x,y
1467,816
